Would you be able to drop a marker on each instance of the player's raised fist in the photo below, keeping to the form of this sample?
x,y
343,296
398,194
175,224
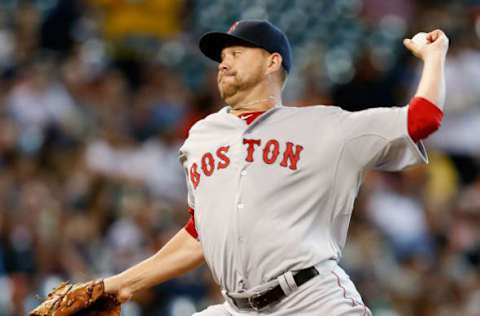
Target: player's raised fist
x,y
426,45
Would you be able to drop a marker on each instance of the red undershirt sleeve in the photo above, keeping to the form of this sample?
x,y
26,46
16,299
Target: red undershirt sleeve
x,y
424,118
190,226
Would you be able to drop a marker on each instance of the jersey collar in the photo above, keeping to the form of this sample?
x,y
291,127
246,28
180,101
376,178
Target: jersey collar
x,y
227,109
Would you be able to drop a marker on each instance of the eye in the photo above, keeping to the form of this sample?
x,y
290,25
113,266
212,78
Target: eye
x,y
235,53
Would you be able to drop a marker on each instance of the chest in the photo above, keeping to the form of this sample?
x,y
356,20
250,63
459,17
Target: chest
x,y
278,152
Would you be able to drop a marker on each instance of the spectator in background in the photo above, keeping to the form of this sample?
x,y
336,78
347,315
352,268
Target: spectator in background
x,y
36,102
397,211
57,31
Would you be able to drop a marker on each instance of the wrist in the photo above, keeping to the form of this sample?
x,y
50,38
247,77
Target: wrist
x,y
435,57
112,284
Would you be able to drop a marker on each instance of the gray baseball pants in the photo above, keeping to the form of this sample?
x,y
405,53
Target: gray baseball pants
x,y
330,293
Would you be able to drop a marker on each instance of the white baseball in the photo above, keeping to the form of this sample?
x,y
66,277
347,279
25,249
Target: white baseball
x,y
420,39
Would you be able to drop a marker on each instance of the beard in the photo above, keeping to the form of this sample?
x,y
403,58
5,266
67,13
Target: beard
x,y
228,86
231,84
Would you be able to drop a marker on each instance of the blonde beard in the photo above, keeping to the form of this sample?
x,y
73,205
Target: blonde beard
x,y
228,91
232,90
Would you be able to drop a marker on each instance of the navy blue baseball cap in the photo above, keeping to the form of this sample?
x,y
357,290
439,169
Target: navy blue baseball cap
x,y
256,33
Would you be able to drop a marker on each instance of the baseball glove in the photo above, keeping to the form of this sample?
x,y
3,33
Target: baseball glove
x,y
79,299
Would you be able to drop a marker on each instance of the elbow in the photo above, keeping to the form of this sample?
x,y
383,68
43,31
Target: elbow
x,y
424,118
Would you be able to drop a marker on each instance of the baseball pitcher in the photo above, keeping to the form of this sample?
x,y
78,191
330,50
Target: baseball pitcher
x,y
271,188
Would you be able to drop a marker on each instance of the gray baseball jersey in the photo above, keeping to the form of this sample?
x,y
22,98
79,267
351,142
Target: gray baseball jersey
x,y
277,195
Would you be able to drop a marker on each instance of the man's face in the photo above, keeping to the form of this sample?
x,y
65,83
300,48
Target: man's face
x,y
241,69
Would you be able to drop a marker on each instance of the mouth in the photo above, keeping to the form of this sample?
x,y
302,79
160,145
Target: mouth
x,y
226,75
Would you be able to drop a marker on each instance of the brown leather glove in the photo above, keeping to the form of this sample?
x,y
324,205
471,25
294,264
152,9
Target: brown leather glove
x,y
79,299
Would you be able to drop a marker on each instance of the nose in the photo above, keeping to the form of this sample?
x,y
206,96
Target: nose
x,y
223,66
225,63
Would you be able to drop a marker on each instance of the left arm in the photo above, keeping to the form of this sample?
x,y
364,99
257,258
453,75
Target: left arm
x,y
433,53
426,108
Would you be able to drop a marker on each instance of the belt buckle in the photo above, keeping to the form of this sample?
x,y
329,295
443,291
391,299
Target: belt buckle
x,y
254,305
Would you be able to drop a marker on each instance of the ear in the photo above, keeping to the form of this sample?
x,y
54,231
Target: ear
x,y
274,63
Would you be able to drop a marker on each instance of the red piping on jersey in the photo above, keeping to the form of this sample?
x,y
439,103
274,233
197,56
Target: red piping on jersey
x,y
354,303
343,289
424,118
190,226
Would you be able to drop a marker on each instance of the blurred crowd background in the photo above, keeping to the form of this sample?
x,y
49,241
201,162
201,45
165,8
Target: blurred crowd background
x,y
97,96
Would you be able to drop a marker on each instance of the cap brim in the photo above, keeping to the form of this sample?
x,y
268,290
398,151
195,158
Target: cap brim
x,y
211,44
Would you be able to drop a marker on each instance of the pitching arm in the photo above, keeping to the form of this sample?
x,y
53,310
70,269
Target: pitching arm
x,y
432,50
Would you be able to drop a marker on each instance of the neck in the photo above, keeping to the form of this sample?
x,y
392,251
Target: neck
x,y
255,105
254,102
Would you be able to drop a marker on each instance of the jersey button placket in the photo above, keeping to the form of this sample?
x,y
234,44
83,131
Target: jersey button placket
x,y
240,205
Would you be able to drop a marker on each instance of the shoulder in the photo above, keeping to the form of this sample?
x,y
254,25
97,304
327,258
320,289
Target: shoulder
x,y
324,109
336,112
206,123
313,112
202,130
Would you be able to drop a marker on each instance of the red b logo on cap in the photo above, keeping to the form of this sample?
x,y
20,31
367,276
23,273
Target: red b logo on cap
x,y
233,27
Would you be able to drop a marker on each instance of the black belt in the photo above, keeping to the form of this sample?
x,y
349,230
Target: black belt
x,y
260,301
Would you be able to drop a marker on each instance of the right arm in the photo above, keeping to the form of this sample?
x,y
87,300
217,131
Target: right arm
x,y
433,54
179,255
384,138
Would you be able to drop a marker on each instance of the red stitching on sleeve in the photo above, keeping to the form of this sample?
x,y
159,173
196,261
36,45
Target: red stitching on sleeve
x,y
424,118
